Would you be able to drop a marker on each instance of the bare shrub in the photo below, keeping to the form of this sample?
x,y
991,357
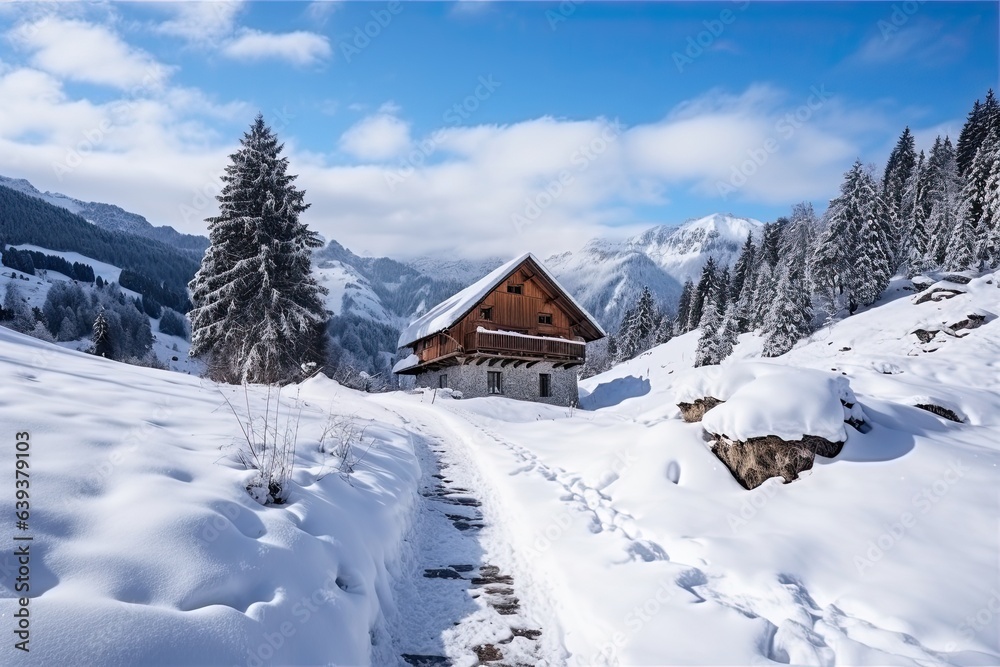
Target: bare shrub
x,y
268,445
345,440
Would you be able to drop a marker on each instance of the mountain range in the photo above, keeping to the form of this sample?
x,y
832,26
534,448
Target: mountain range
x,y
605,275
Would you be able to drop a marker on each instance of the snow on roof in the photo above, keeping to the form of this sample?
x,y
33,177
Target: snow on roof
x,y
789,404
408,362
449,311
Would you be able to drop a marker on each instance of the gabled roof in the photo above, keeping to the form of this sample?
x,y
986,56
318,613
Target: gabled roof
x,y
451,310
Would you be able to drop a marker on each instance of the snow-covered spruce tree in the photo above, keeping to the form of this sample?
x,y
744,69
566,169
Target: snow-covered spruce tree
x,y
705,287
915,211
742,269
945,199
728,331
799,236
898,170
981,119
988,233
760,296
638,326
790,314
684,308
259,313
16,312
976,191
101,336
708,352
854,237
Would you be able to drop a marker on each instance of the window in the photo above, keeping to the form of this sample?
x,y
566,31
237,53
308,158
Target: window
x,y
545,318
486,313
428,342
494,382
544,385
515,289
443,381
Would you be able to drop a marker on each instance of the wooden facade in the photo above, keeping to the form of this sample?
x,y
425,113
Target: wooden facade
x,y
525,317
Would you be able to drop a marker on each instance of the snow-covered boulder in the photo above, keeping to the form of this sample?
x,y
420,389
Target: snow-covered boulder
x,y
774,420
696,409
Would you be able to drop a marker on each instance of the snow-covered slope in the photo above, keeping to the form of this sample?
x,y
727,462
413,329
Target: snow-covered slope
x,y
148,550
607,276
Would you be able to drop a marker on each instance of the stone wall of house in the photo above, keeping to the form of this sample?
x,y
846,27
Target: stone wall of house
x,y
520,383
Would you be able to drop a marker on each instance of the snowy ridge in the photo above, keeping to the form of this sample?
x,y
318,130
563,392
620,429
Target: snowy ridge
x,y
607,276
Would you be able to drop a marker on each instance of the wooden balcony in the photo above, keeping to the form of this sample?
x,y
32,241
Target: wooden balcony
x,y
505,344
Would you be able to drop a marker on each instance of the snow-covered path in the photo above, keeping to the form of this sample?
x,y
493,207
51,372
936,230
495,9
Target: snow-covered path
x,y
605,583
463,597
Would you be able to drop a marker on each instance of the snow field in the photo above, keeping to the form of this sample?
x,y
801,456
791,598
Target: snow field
x,y
147,548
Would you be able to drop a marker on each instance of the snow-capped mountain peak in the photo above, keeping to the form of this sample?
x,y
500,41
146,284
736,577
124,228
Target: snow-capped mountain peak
x,y
607,276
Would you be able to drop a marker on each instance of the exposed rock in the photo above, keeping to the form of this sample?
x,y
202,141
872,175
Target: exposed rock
x,y
920,283
940,412
925,335
693,412
971,321
488,653
955,278
938,294
756,460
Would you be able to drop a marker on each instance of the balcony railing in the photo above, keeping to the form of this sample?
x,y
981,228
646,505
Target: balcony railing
x,y
528,346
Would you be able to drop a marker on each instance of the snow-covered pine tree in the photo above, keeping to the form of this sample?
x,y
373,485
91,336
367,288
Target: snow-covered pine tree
x,y
945,199
980,121
706,284
853,217
789,318
101,336
770,244
898,170
16,312
988,233
708,352
799,236
742,269
975,192
914,211
684,308
761,296
720,289
875,256
728,332
259,314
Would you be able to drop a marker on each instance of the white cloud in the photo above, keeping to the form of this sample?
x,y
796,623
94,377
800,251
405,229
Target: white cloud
x,y
377,137
82,51
202,23
298,48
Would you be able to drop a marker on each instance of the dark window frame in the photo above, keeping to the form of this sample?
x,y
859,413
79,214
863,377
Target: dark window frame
x,y
545,385
545,318
486,313
515,289
494,383
443,381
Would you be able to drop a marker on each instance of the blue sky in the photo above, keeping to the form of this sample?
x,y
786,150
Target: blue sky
x,y
484,128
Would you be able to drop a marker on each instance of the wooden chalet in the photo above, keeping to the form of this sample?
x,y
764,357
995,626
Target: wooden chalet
x,y
517,316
